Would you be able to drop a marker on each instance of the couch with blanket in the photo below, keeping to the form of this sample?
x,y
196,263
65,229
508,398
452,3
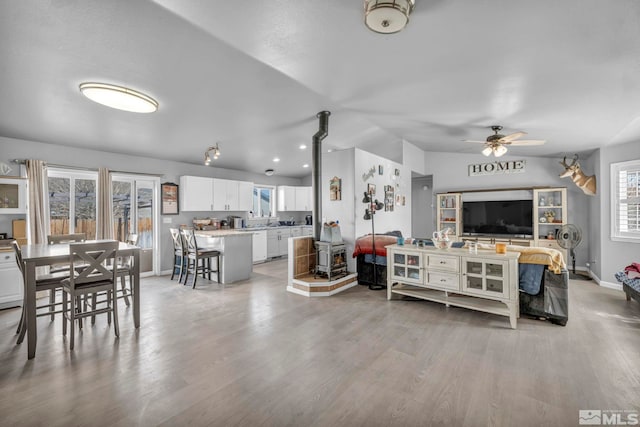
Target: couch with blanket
x,y
630,279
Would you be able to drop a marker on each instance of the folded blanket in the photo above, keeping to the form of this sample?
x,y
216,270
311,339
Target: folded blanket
x,y
535,255
364,244
633,270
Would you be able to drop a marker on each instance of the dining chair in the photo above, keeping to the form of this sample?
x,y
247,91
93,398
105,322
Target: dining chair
x,y
53,239
199,259
179,254
92,276
44,282
125,270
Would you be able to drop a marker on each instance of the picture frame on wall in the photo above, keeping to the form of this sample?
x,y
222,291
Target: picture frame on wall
x,y
170,203
335,189
371,189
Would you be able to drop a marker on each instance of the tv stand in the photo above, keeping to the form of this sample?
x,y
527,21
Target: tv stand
x,y
549,215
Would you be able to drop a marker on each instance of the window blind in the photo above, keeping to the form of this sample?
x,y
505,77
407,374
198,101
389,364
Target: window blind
x,y
625,179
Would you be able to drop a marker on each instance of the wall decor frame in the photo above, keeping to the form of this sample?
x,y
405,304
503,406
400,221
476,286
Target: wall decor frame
x,y
371,189
170,200
335,188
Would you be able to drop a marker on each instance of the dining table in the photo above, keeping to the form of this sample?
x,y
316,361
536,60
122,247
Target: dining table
x,y
42,255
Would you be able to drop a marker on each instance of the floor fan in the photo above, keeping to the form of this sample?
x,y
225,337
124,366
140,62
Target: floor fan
x,y
569,237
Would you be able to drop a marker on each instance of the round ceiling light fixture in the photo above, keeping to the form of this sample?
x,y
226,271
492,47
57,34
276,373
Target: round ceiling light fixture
x,y
269,172
387,16
119,97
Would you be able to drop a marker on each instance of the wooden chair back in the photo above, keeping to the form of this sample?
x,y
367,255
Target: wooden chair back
x,y
53,239
190,244
90,261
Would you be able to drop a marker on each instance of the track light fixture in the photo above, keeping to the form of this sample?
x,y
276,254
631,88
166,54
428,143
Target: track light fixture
x,y
211,151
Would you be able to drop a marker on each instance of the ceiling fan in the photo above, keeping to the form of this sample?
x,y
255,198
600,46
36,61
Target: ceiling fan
x,y
497,143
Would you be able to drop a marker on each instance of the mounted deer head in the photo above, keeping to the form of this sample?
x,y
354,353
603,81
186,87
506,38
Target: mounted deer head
x,y
584,182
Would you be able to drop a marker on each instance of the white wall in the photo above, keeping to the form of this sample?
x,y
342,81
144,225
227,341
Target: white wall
x,y
350,165
413,158
613,256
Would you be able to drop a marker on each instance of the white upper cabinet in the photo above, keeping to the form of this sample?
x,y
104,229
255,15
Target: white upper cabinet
x,y
196,193
230,195
303,199
13,195
245,196
212,194
294,198
286,198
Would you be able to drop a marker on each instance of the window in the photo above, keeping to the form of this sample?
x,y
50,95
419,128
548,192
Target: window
x,y
625,194
72,202
263,201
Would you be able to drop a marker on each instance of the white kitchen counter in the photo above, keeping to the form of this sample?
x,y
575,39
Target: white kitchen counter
x,y
236,248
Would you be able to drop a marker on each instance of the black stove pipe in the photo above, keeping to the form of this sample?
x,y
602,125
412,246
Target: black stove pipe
x,y
316,172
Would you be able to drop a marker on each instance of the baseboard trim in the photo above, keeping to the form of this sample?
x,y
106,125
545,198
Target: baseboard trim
x,y
611,285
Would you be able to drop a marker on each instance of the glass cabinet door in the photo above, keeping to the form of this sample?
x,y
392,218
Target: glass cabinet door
x,y
486,278
407,267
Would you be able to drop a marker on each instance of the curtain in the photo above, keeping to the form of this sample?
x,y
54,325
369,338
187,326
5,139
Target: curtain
x,y
38,201
104,226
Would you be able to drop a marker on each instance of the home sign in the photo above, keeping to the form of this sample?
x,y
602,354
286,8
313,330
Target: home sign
x,y
497,167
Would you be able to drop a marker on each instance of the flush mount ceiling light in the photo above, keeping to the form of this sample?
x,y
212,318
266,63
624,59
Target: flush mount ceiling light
x,y
215,151
387,16
269,172
119,97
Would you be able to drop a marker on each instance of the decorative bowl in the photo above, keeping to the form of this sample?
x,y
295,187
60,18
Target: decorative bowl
x,y
442,244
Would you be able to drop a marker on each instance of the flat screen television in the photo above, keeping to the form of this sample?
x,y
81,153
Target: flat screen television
x,y
504,217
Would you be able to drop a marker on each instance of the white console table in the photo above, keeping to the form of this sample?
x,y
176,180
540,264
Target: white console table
x,y
485,281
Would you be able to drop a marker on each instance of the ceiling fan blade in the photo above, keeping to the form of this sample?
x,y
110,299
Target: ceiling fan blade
x,y
512,136
528,142
479,142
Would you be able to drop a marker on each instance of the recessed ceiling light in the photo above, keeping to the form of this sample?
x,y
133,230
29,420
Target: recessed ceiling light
x,y
276,159
329,150
119,97
306,165
302,146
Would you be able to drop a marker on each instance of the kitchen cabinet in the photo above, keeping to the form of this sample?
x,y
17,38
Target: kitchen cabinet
x,y
485,281
277,241
10,281
303,198
230,195
196,193
13,195
294,198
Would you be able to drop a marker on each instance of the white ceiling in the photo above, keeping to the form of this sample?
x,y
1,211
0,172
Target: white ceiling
x,y
252,75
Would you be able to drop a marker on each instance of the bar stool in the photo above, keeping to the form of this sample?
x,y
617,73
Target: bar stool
x,y
199,259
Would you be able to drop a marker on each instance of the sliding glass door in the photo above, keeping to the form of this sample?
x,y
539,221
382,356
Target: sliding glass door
x,y
134,212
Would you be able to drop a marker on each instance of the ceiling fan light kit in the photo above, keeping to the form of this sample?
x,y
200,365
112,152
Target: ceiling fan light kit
x,y
497,143
119,97
387,16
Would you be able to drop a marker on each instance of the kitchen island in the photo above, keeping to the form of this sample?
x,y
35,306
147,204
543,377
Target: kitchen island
x,y
236,261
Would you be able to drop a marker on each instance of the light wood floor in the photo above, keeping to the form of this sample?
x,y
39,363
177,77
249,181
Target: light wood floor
x,y
252,354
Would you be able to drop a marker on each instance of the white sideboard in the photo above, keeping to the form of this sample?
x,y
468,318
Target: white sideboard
x,y
483,281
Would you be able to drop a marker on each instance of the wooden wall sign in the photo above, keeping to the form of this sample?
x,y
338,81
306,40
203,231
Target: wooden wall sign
x,y
497,167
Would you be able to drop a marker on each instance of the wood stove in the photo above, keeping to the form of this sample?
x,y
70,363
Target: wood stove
x,y
331,260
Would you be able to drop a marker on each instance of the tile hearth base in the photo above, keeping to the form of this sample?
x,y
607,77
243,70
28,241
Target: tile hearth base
x,y
319,287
